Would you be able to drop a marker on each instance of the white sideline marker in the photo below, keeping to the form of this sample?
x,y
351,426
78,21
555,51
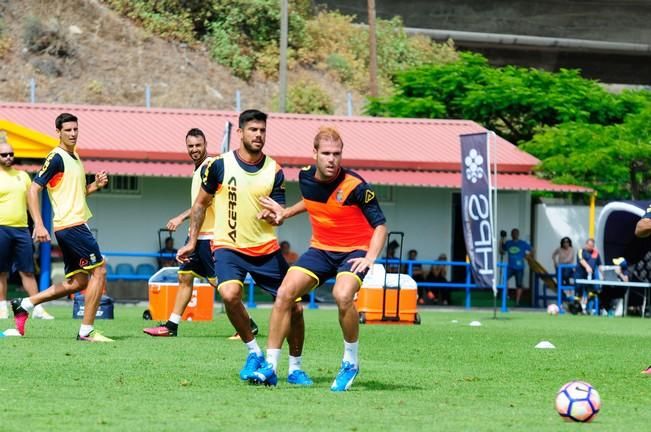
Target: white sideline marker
x,y
475,324
545,345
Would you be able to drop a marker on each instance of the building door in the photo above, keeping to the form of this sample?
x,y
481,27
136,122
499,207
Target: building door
x,y
458,244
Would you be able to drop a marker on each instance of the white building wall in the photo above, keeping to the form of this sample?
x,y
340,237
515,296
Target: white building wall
x,y
131,223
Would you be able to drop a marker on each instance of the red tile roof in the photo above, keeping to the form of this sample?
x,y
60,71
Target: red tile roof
x,y
136,141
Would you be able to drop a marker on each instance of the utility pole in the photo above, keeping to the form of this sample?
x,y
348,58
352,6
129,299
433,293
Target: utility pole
x,y
372,42
282,97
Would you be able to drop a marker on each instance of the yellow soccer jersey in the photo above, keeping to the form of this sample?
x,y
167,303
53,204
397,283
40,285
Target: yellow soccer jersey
x,y
14,185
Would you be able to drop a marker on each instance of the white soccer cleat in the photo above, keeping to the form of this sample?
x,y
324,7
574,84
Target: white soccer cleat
x,y
41,313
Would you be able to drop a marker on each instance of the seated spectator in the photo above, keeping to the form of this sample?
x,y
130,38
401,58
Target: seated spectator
x,y
169,248
588,263
416,273
564,254
392,267
290,256
438,273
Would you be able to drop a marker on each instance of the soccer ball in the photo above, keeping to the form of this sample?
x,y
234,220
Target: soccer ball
x,y
552,309
578,401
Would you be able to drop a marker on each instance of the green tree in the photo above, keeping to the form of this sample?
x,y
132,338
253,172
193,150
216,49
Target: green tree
x,y
512,101
615,160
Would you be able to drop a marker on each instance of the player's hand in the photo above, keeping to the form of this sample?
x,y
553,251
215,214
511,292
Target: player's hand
x,y
360,265
41,234
183,254
174,223
272,210
101,179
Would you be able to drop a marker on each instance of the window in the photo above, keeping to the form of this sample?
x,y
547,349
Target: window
x,y
383,193
118,184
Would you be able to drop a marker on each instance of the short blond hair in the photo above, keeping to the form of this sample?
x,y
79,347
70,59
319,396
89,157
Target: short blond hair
x,y
327,133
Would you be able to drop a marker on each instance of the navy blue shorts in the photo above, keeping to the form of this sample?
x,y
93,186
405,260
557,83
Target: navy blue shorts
x,y
267,271
323,265
201,262
16,247
79,248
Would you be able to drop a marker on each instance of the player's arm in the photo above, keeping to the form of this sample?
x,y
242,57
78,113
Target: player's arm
x,y
365,198
101,180
212,176
174,223
276,214
40,232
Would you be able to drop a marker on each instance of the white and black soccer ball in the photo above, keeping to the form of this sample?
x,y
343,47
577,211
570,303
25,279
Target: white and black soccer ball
x,y
578,401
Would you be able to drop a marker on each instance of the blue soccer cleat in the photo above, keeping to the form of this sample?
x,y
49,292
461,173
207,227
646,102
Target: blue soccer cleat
x,y
253,363
299,377
345,377
264,375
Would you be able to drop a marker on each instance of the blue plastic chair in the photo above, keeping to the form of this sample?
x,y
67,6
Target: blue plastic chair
x,y
124,269
109,269
145,269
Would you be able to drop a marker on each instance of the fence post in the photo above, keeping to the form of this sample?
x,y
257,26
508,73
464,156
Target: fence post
x,y
32,90
349,103
147,96
467,285
250,302
504,290
238,101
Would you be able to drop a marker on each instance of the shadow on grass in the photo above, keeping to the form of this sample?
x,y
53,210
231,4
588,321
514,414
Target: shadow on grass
x,y
374,385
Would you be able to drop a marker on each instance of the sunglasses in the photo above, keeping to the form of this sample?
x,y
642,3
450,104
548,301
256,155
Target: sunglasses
x,y
10,154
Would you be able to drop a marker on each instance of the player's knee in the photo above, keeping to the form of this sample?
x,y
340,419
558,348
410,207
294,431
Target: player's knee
x,y
343,299
286,296
230,294
297,309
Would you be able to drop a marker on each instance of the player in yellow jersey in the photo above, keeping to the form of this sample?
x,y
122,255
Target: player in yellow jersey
x,y
65,179
16,250
200,263
243,243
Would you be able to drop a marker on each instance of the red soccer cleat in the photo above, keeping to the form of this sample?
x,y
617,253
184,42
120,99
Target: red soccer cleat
x,y
20,316
160,331
646,371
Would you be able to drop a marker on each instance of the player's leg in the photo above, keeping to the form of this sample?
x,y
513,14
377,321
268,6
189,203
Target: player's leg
x,y
94,289
24,262
183,297
6,249
3,295
343,292
286,322
519,275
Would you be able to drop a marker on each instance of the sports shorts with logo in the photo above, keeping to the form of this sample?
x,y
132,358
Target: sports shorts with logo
x,y
267,271
323,265
201,263
79,248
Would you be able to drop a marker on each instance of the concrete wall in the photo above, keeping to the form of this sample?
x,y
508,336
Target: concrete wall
x,y
614,21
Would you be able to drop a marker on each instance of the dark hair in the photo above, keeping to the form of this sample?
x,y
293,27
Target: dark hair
x,y
569,240
414,251
250,115
283,243
64,118
195,132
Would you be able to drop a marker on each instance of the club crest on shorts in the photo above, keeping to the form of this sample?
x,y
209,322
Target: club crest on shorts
x,y
93,258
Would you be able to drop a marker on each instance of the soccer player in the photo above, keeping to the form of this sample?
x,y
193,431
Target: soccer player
x,y
65,179
242,242
15,241
200,262
348,233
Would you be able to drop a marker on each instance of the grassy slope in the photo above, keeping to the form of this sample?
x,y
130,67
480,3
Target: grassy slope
x,y
439,375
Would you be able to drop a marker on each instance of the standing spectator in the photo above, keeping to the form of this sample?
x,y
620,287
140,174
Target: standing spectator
x,y
416,273
564,254
588,261
290,256
439,273
167,261
516,250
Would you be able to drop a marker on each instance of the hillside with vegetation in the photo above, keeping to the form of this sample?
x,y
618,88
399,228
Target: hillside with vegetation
x,y
196,54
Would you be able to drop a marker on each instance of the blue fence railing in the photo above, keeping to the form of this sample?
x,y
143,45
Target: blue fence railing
x,y
468,285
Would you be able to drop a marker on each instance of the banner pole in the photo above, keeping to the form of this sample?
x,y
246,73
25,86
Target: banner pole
x,y
493,193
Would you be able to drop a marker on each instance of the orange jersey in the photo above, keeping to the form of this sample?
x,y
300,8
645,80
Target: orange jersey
x,y
343,212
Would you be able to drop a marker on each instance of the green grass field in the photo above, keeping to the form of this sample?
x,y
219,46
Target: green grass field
x,y
437,376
